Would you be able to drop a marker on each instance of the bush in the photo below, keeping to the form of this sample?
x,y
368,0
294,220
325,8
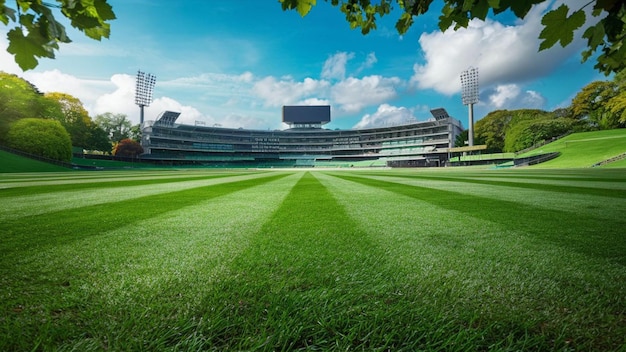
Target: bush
x,y
128,148
42,137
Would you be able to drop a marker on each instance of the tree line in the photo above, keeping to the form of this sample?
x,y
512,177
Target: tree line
x,y
600,105
51,124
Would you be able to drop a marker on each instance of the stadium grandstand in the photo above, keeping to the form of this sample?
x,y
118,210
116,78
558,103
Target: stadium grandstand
x,y
305,143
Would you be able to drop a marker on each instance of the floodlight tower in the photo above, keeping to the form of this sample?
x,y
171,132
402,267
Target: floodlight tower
x,y
143,91
469,95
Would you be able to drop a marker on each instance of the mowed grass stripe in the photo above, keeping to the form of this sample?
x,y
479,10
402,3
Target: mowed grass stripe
x,y
588,174
507,290
56,227
36,179
39,203
133,287
559,227
309,279
604,190
104,180
597,206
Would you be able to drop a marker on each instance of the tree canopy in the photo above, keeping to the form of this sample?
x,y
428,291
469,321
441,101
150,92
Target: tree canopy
x,y
73,116
116,126
605,37
36,33
18,99
602,103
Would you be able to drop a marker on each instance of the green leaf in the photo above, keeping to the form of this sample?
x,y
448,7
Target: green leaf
x,y
404,23
6,14
467,5
480,9
595,35
105,11
559,27
445,22
519,7
302,6
494,3
25,49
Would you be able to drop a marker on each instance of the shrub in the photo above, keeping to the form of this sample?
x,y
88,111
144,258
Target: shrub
x,y
128,148
42,137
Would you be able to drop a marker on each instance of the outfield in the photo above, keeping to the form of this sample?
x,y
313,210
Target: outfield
x,y
522,259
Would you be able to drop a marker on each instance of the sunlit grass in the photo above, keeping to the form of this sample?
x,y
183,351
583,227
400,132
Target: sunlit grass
x,y
583,149
368,260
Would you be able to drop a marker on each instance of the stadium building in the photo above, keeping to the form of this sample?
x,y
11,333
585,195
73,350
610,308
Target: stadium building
x,y
304,143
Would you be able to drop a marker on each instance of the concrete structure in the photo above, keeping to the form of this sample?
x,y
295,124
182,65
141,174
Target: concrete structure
x,y
305,144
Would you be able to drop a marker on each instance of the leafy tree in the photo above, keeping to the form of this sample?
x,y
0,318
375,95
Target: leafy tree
x,y
600,104
135,133
36,32
461,138
605,37
128,148
617,104
18,99
526,133
43,137
73,117
98,140
512,130
491,129
117,126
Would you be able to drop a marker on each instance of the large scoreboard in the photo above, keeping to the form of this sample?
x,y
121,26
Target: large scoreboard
x,y
303,114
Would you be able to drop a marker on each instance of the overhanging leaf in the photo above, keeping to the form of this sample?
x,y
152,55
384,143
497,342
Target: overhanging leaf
x,y
25,49
559,27
7,14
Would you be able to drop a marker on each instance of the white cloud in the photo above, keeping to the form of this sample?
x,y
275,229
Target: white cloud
x,y
209,79
335,66
7,61
87,91
115,96
314,101
503,95
510,96
353,94
386,115
504,54
286,91
369,62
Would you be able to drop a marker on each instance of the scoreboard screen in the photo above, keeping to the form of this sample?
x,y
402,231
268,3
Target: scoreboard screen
x,y
306,114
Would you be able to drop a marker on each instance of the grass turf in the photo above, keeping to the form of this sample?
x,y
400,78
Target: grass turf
x,y
399,260
10,162
583,149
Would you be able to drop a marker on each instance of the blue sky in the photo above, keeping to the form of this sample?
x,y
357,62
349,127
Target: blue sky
x,y
236,63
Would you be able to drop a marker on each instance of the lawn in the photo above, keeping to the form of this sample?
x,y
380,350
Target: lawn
x,y
448,260
581,150
10,162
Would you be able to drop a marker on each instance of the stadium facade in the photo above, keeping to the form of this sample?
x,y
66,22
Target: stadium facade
x,y
305,143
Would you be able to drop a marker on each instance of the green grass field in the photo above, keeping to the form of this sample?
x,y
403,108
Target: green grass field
x,y
13,163
445,260
584,149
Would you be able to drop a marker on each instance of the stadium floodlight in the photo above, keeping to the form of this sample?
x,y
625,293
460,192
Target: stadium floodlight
x,y
469,96
143,91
